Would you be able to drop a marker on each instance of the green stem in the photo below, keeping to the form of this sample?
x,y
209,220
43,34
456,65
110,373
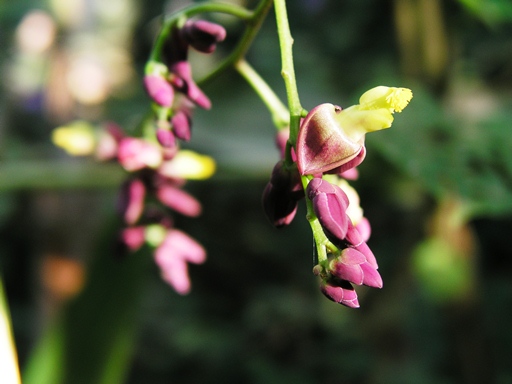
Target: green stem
x,y
287,69
279,112
253,26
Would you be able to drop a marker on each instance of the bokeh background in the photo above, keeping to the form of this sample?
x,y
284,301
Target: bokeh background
x,y
437,188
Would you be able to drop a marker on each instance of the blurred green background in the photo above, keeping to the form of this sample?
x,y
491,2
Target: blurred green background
x,y
437,188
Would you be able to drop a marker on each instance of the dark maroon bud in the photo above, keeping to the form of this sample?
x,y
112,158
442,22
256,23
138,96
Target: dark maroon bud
x,y
281,195
203,35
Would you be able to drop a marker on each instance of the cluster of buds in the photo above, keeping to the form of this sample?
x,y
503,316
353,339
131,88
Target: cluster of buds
x,y
169,82
158,168
330,145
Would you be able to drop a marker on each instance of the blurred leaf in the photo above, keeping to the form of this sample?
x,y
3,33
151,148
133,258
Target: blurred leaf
x,y
470,160
444,273
490,11
92,340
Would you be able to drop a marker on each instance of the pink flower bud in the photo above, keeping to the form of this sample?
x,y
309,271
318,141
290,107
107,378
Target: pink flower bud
x,y
165,137
352,265
131,200
159,89
340,291
133,237
181,125
187,85
178,200
330,204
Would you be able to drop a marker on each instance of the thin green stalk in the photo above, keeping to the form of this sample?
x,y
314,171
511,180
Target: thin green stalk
x,y
287,69
279,112
253,26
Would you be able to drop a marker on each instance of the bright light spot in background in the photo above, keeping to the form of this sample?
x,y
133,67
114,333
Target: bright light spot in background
x,y
36,32
87,81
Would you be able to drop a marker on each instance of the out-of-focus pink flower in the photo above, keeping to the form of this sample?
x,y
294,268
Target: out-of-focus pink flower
x,y
135,154
133,237
181,124
159,89
184,82
178,200
131,200
172,256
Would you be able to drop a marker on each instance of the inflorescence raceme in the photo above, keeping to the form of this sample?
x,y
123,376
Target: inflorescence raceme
x,y
315,165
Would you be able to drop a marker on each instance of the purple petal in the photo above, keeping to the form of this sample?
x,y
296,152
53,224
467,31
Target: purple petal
x,y
131,200
188,86
372,277
322,145
165,137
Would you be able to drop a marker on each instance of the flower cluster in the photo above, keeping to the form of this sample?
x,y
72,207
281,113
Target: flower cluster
x,y
158,167
329,147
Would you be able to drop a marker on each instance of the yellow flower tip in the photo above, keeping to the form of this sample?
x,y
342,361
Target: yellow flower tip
x,y
189,165
78,138
399,98
395,99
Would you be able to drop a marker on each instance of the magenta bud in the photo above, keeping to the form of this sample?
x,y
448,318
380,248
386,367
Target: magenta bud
x,y
281,195
159,89
131,200
321,143
179,200
133,237
330,204
340,291
181,125
186,84
165,137
203,35
352,265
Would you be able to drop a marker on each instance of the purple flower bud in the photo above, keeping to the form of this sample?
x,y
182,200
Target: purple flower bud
x,y
165,137
355,240
340,291
281,195
321,144
159,89
330,204
352,265
186,84
181,125
131,200
364,229
178,200
203,35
